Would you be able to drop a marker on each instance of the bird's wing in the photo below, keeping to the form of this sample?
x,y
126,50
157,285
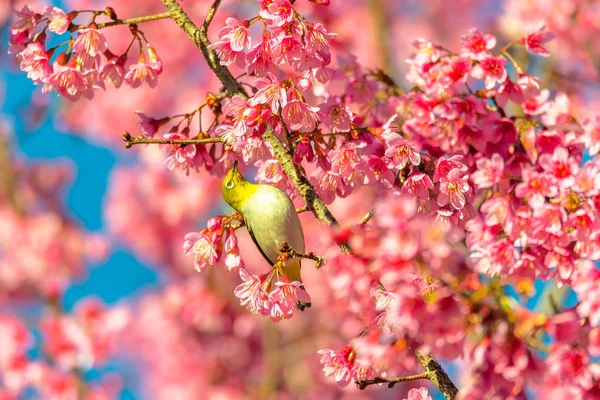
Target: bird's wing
x,y
256,242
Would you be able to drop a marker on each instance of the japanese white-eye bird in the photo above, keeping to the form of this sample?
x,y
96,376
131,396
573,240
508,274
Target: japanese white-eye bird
x,y
270,217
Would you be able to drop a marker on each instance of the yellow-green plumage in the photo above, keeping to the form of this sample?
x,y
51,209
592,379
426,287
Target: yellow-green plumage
x,y
270,217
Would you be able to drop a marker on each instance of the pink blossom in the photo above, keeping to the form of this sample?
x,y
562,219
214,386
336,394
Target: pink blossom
x,y
559,165
453,189
15,340
402,153
179,158
149,125
346,159
233,259
25,22
512,91
278,12
335,116
535,188
113,72
232,40
284,298
427,52
304,150
90,41
252,293
328,184
489,171
36,62
476,44
454,70
299,116
288,49
236,33
259,59
378,169
570,365
588,179
418,185
203,249
59,21
270,172
69,81
142,73
270,92
418,394
491,69
226,54
445,165
536,37
317,43
591,135
343,366
495,258
537,105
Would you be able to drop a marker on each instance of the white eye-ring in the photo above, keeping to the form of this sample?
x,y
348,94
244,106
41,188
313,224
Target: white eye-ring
x,y
229,184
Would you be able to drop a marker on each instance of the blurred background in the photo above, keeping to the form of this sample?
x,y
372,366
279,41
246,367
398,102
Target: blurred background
x,y
108,223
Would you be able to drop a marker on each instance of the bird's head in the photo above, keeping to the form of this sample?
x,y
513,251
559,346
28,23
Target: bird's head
x,y
236,189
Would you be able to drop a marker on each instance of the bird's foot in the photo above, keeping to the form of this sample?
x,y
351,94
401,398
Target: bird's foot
x,y
302,305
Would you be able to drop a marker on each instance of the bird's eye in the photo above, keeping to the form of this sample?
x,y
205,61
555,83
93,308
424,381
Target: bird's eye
x,y
229,184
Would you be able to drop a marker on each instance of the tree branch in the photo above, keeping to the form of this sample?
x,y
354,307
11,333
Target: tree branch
x,y
130,21
391,382
438,376
130,140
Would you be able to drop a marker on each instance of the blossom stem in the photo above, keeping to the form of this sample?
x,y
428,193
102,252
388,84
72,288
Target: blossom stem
x,y
130,21
508,46
391,382
512,60
131,140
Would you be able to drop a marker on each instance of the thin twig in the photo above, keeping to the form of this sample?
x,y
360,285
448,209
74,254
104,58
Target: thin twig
x,y
131,140
366,218
130,21
391,382
286,250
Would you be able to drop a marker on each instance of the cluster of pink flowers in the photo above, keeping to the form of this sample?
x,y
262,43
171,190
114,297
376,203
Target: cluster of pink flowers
x,y
86,64
477,177
214,241
344,367
74,344
42,251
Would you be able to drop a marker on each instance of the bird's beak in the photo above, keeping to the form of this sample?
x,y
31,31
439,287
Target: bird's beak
x,y
235,166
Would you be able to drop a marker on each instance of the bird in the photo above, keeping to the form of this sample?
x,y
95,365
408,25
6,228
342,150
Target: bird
x,y
270,217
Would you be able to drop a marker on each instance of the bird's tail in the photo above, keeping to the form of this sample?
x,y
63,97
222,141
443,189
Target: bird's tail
x,y
292,270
